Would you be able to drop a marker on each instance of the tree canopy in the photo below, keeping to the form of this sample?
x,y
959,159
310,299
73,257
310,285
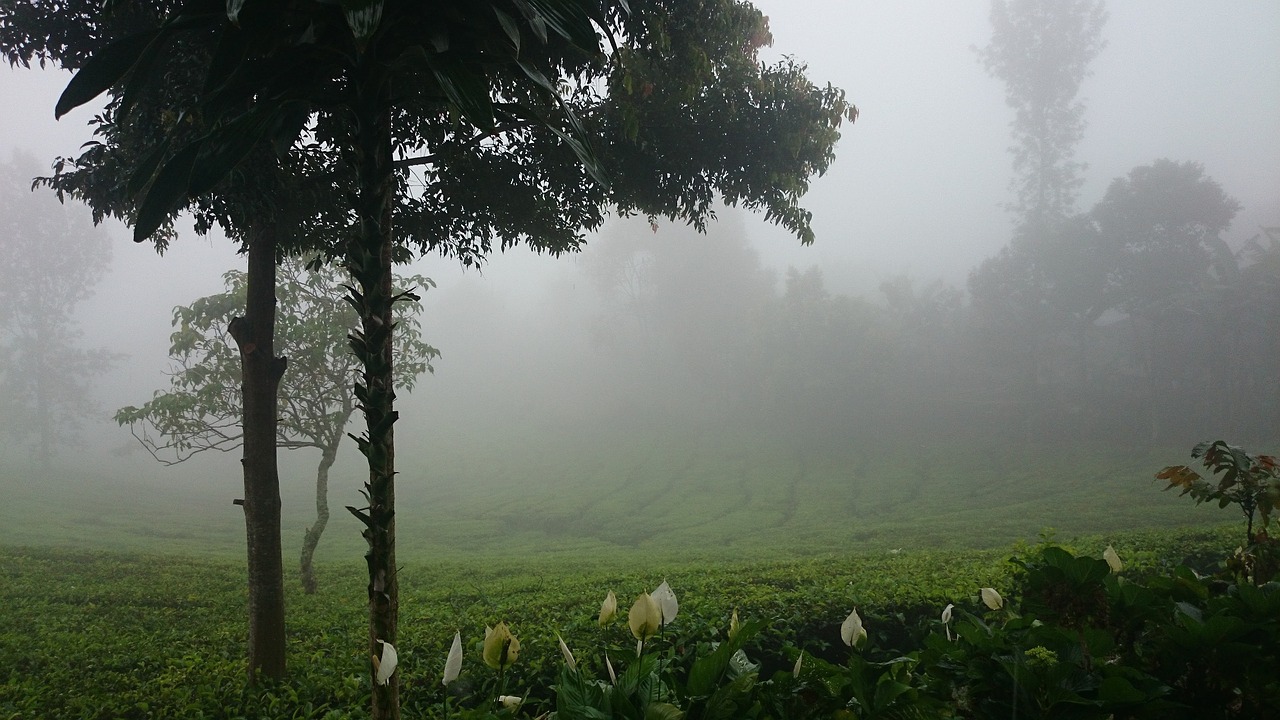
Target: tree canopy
x,y
526,119
202,408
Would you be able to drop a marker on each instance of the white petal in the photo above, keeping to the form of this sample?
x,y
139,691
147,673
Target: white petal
x,y
568,656
1113,559
613,677
991,598
453,665
608,608
666,600
946,613
795,671
511,702
387,665
851,629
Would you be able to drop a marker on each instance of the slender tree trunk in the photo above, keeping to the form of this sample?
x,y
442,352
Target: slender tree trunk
x,y
369,261
255,336
312,538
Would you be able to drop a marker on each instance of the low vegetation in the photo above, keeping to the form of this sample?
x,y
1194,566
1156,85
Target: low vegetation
x,y
1172,622
107,635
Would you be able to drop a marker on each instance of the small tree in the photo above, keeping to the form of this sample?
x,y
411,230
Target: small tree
x,y
1249,481
202,410
51,264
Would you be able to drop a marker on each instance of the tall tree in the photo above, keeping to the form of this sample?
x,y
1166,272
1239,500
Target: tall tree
x,y
52,260
1041,50
1164,223
275,204
202,409
495,103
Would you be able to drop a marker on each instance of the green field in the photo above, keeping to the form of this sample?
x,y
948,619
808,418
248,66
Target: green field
x,y
655,494
124,597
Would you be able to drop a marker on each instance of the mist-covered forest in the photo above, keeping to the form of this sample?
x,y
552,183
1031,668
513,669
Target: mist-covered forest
x,y
872,332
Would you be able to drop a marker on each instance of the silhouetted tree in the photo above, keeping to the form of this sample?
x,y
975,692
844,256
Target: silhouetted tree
x,y
1163,223
51,261
1041,50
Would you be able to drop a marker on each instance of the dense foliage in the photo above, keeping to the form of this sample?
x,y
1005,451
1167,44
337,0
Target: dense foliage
x,y
100,635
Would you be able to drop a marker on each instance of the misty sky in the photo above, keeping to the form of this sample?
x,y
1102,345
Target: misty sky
x,y
918,182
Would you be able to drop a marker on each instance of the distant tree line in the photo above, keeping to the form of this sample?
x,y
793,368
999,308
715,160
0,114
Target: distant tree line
x,y
1134,322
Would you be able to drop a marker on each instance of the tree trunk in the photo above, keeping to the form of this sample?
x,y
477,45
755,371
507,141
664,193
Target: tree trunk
x,y
312,538
255,337
369,261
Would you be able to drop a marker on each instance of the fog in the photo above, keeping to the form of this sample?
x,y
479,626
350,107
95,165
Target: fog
x,y
657,331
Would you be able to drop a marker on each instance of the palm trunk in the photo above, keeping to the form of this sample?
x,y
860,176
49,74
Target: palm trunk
x,y
312,537
255,336
369,261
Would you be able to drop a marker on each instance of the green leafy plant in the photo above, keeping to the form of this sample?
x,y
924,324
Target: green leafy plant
x,y
1251,482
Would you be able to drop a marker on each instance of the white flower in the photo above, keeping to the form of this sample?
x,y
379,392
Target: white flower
x,y
991,598
568,656
1113,560
453,664
510,702
608,608
851,630
734,626
645,617
795,671
946,619
667,603
613,677
385,666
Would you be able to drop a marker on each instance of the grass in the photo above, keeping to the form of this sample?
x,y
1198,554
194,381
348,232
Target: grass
x,y
124,596
654,493
93,634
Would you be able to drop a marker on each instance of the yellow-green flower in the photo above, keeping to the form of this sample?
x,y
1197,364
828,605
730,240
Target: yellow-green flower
x,y
500,647
608,609
734,627
645,617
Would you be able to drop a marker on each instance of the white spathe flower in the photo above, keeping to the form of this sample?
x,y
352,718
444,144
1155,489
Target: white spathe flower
x,y
608,609
453,664
946,620
568,656
501,648
645,617
795,671
511,702
613,677
851,630
991,598
386,665
1113,559
667,602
